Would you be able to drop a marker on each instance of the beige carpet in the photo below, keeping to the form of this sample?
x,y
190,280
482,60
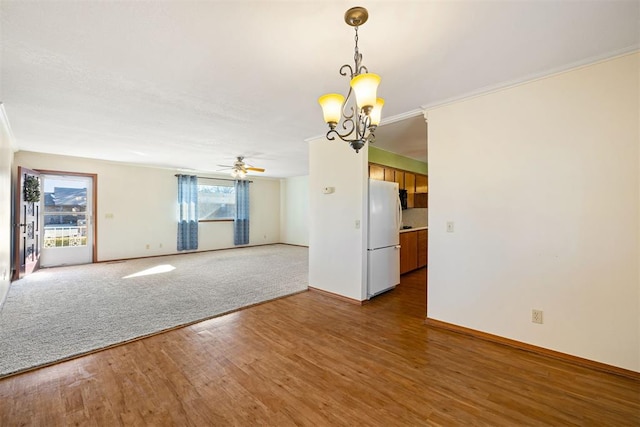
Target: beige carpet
x,y
57,313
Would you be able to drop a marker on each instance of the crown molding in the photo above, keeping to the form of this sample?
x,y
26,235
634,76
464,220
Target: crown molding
x,y
403,116
423,110
593,60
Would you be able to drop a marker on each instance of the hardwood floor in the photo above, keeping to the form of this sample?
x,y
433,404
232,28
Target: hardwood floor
x,y
310,359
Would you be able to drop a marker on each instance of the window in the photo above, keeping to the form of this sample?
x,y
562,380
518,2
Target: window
x,y
216,202
65,211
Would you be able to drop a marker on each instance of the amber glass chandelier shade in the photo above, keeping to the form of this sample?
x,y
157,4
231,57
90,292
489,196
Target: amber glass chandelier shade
x,y
376,112
365,87
331,107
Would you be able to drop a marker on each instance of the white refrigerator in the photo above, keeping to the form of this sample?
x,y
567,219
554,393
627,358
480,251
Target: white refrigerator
x,y
383,248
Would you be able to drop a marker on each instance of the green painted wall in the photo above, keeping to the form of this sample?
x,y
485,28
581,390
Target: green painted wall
x,y
387,158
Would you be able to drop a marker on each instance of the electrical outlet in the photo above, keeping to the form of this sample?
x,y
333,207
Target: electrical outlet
x,y
148,246
536,316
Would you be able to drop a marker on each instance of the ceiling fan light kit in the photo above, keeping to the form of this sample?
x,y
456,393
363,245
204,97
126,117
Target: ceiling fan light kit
x,y
240,168
238,173
360,122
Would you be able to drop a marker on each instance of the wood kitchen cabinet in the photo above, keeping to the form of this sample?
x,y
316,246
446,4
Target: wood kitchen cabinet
x,y
382,173
422,183
417,185
421,200
410,186
400,179
408,251
389,175
376,172
422,247
413,250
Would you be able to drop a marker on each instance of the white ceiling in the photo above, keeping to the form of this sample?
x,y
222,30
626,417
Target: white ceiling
x,y
194,84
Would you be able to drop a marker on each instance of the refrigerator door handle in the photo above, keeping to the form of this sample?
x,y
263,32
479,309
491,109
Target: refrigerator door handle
x,y
399,216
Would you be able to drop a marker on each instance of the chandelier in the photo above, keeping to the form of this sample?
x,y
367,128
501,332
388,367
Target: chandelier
x,y
360,122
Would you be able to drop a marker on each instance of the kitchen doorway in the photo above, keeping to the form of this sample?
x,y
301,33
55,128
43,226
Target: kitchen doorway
x,y
68,206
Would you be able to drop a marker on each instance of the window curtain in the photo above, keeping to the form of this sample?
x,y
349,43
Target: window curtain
x,y
187,212
241,220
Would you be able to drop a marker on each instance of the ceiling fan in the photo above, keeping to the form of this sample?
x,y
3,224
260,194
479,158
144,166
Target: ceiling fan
x,y
240,168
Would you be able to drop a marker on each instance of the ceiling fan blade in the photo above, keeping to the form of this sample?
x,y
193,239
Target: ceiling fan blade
x,y
255,169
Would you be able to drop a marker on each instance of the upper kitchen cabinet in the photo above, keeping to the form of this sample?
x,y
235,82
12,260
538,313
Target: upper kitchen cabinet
x,y
384,173
390,174
410,186
376,172
417,185
400,178
421,198
422,184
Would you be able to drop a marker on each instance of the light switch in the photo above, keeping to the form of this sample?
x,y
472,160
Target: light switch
x,y
357,224
449,226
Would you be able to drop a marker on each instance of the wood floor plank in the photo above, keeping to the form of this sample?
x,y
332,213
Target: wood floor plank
x,y
310,359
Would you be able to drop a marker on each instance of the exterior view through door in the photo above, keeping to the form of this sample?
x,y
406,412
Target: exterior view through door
x,y
67,237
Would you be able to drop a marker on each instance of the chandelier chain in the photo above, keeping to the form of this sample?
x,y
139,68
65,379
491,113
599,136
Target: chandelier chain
x,y
357,53
351,123
357,56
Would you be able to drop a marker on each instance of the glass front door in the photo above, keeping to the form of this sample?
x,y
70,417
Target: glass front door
x,y
67,233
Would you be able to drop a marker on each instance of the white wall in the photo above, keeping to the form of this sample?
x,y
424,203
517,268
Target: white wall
x,y
542,181
294,221
337,249
142,201
6,161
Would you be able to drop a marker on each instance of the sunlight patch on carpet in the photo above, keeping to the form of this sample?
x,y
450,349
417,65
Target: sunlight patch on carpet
x,y
164,268
57,313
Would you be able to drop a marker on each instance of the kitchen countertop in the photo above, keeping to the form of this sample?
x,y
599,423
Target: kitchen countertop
x,y
414,229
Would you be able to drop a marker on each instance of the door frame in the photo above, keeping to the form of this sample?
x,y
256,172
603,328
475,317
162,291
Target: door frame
x,y
16,222
94,204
